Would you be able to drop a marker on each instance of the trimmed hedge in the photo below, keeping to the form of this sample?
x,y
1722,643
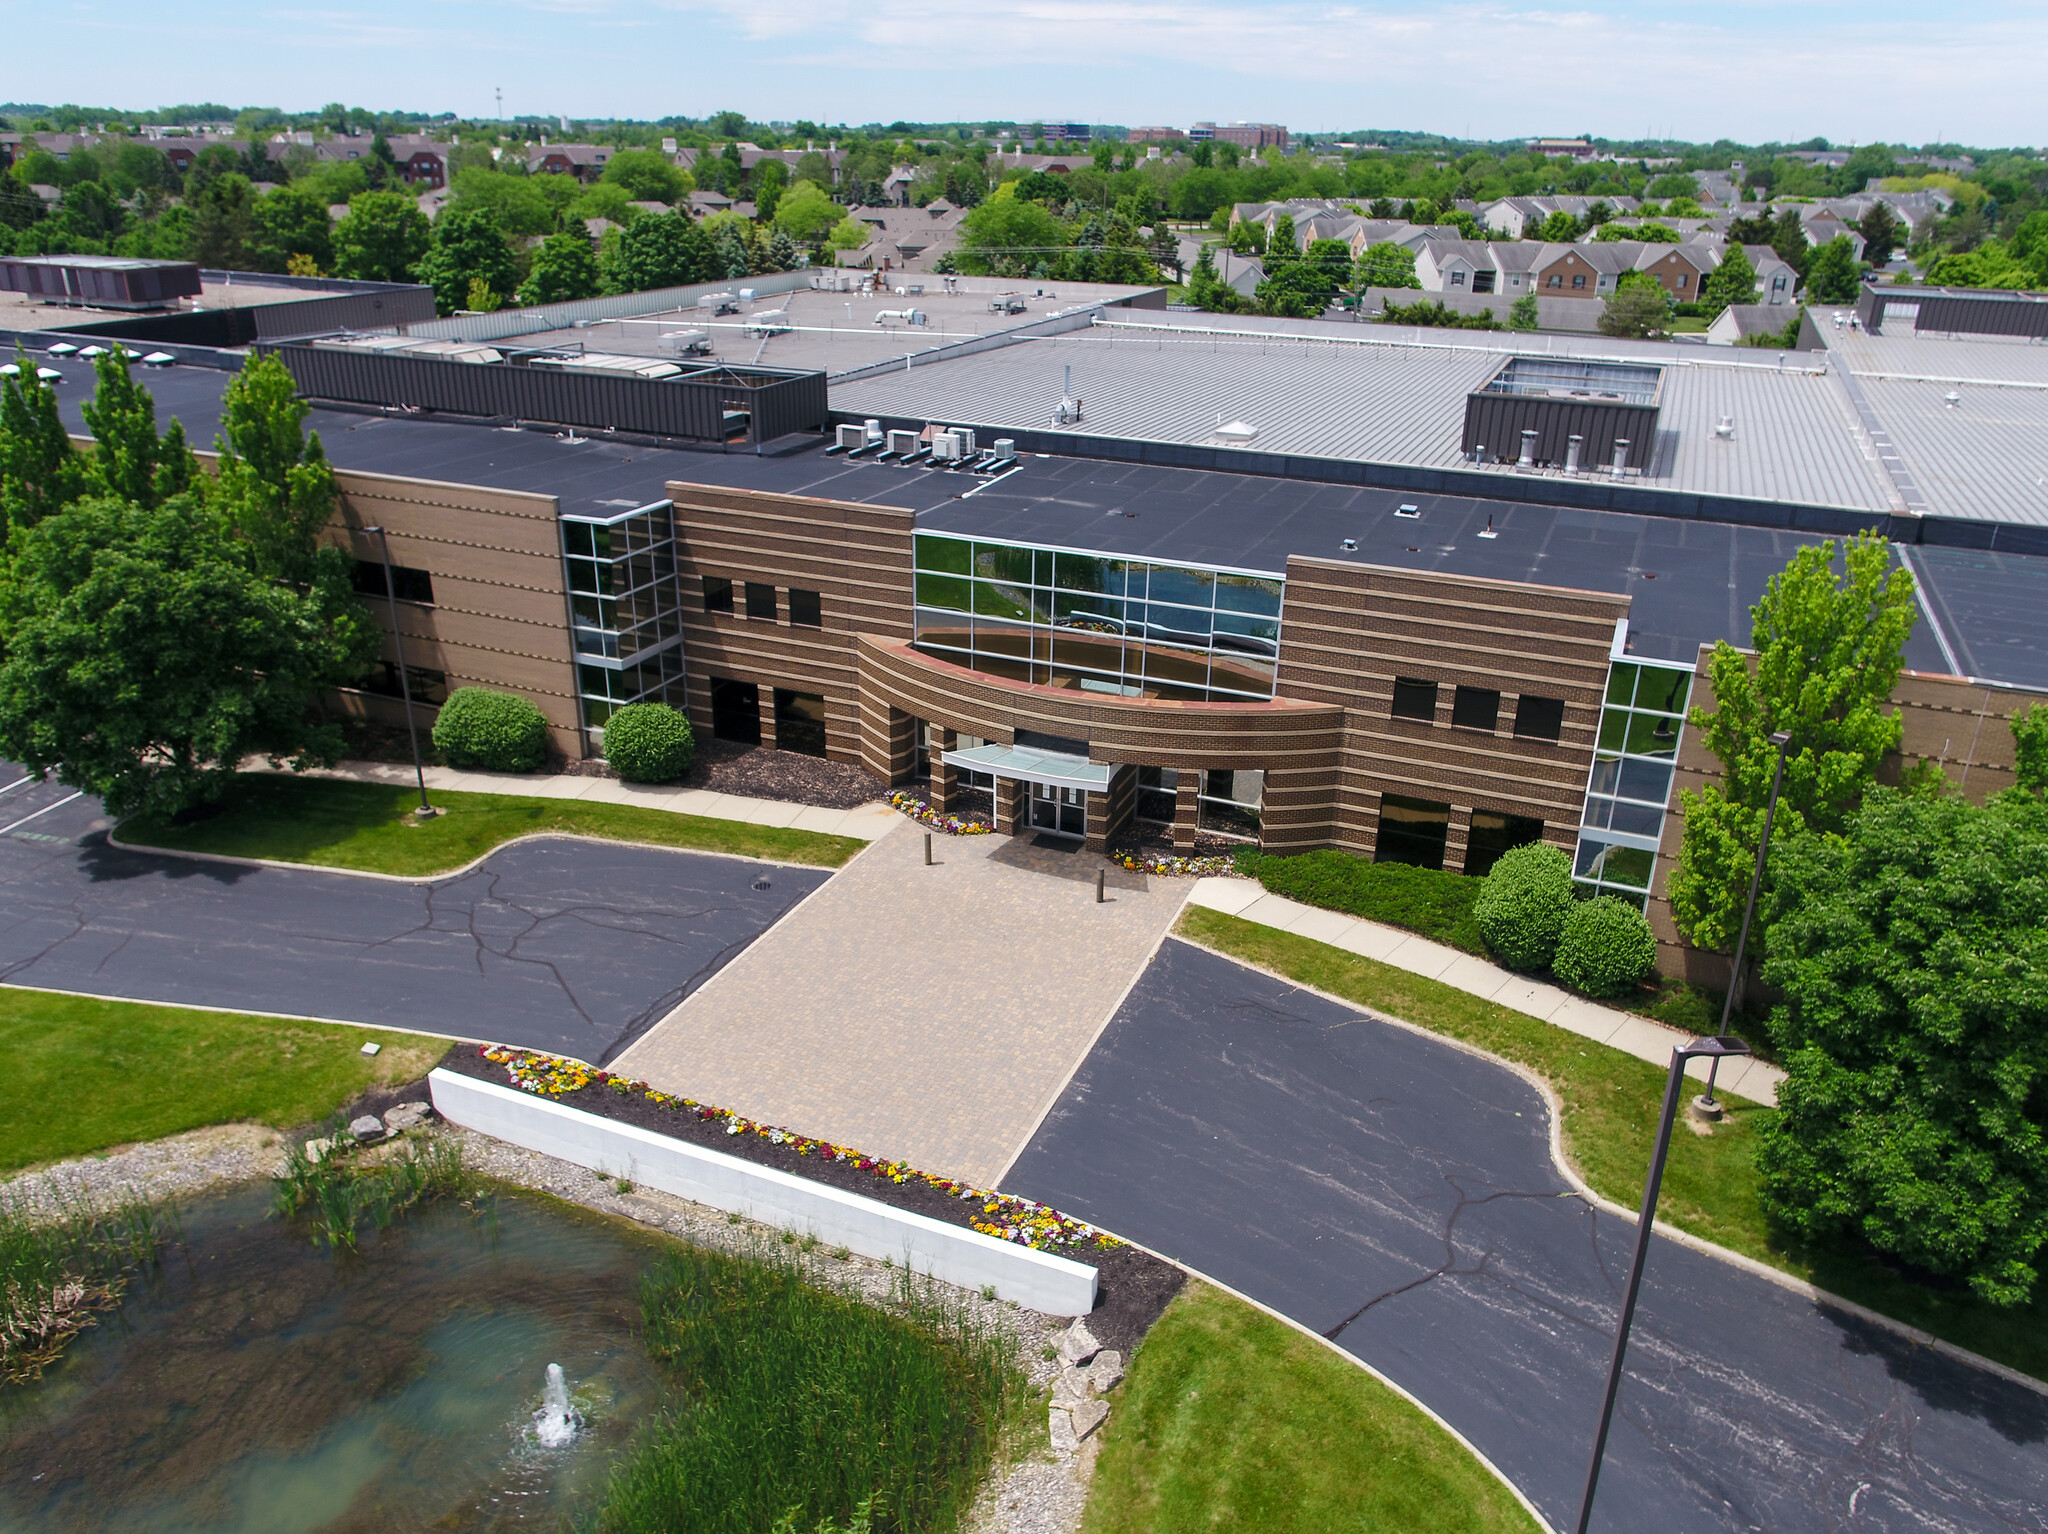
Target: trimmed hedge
x,y
1426,900
1521,913
649,743
1607,947
494,731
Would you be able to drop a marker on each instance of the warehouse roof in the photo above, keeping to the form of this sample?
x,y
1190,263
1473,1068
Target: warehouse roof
x,y
1690,582
1751,426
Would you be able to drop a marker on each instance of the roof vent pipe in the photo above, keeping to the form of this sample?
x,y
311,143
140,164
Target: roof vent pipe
x,y
1528,458
1571,453
1620,456
1479,455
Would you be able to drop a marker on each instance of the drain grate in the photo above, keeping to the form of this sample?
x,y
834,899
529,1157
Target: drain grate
x,y
760,884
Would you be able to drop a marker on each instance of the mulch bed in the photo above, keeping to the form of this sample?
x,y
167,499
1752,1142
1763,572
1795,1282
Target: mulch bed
x,y
1133,1288
1149,841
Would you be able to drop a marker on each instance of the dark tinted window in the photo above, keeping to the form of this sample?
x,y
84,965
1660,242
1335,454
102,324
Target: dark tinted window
x,y
408,584
805,610
1413,699
1494,834
799,722
1412,831
1476,708
735,710
717,594
428,685
760,601
1539,718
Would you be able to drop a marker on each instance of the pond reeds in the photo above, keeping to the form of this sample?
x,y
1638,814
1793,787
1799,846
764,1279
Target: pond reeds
x,y
340,1190
58,1267
798,1408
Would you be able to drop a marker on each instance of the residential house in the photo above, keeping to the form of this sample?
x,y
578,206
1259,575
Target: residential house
x,y
1738,322
1516,216
910,239
1680,270
703,204
421,161
1456,266
1587,270
585,162
1776,280
184,153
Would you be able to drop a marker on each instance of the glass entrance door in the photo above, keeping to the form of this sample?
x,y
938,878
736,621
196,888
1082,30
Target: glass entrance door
x,y
1063,811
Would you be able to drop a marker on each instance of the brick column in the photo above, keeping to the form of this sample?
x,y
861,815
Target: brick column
x,y
902,748
945,780
766,699
1186,808
1457,838
1010,806
1110,810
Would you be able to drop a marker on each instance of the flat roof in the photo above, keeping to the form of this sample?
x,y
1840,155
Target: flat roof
x,y
1690,582
1396,395
34,311
842,332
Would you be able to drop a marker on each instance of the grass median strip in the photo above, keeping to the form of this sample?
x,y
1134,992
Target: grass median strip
x,y
367,827
1232,1420
1610,1106
84,1074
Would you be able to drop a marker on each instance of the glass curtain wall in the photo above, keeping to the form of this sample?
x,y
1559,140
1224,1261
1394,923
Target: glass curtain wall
x,y
625,608
1122,627
1640,726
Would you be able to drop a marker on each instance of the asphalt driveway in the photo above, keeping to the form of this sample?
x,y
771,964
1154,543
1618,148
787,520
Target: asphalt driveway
x,y
1398,1192
563,945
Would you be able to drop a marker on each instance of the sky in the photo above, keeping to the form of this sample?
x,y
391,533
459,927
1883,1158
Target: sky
x,y
1741,69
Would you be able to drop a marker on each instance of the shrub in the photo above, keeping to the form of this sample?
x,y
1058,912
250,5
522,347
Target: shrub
x,y
1431,901
1607,947
1521,912
649,743
496,731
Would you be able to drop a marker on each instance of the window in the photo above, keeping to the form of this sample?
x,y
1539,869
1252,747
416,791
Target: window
x,y
407,584
1412,831
625,608
799,722
428,686
1457,279
1096,623
1157,793
1493,834
1229,802
1475,708
1482,281
735,711
760,601
1539,718
1578,280
805,610
1684,279
1414,699
1555,281
1630,784
717,594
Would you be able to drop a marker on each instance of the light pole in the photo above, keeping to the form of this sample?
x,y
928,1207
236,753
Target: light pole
x,y
426,811
1712,1049
1782,740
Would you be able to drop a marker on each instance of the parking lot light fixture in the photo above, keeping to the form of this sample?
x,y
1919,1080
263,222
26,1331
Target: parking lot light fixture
x,y
1714,1047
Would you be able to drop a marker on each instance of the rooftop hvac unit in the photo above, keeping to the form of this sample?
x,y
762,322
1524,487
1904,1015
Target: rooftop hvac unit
x,y
685,343
946,447
966,436
768,322
901,316
873,428
1006,449
848,437
719,303
1067,412
903,442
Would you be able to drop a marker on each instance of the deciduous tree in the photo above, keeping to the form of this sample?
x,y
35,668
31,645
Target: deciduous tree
x,y
382,238
130,460
1834,276
565,267
1912,953
39,472
1829,649
466,247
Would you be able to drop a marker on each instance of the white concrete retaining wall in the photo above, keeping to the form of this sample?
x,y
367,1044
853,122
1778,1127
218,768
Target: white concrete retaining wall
x,y
1057,1286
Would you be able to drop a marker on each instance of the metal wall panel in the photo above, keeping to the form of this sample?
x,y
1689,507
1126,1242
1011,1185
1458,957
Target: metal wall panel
x,y
692,408
1498,420
1947,312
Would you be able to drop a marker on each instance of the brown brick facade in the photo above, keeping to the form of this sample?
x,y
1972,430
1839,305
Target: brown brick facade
x,y
1348,631
498,618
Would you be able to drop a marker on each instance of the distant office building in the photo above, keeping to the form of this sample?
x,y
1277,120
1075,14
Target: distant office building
x,y
1156,135
1253,136
1575,148
1060,132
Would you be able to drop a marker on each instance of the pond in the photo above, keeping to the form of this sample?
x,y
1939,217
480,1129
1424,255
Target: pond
x,y
258,1384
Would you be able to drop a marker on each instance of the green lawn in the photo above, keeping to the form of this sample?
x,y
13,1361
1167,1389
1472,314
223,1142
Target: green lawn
x,y
1611,1102
1231,1420
84,1074
366,826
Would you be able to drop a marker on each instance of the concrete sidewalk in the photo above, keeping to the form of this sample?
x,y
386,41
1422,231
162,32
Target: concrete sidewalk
x,y
1625,1031
868,822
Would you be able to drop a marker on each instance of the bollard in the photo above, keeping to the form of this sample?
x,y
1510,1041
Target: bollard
x,y
1099,874
927,849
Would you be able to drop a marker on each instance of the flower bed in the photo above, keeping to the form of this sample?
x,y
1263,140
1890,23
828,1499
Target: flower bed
x,y
1175,867
925,815
1001,1215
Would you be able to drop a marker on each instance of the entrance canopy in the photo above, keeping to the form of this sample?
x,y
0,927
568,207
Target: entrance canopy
x,y
1047,767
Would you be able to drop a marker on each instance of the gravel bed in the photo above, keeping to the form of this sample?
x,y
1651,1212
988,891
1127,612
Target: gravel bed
x,y
176,1168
